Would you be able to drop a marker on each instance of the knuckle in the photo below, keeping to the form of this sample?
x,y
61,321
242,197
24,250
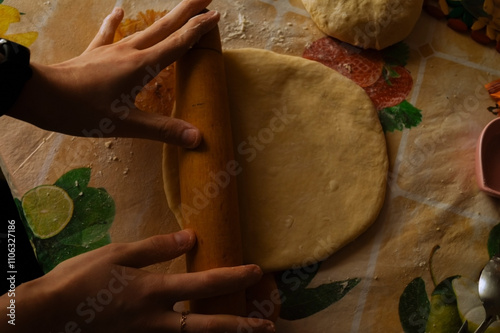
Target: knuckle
x,y
158,246
115,249
210,325
167,130
176,39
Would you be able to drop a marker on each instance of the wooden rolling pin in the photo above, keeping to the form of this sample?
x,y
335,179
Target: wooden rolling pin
x,y
207,173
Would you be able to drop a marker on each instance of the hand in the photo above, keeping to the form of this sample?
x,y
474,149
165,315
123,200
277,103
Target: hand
x,y
93,94
105,291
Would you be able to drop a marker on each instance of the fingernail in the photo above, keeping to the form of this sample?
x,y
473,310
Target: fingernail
x,y
182,238
212,14
191,138
253,274
255,269
270,327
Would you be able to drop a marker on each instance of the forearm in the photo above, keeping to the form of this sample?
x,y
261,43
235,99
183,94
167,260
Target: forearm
x,y
8,311
33,97
26,308
28,96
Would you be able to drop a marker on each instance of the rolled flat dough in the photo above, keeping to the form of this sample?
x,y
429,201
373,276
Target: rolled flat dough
x,y
311,155
365,23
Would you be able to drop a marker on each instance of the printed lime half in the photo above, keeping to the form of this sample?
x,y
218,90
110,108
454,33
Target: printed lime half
x,y
48,209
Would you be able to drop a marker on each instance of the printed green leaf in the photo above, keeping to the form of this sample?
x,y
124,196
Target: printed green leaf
x,y
457,12
74,181
92,217
388,73
93,214
454,3
306,302
468,19
494,241
397,54
50,253
299,302
475,8
23,218
299,278
414,307
403,115
445,289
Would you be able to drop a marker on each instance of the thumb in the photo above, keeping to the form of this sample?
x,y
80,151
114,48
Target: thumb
x,y
153,126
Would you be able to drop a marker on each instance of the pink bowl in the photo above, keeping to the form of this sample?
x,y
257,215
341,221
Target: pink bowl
x,y
488,159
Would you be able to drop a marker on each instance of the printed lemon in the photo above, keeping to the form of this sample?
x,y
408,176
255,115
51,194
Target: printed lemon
x,y
470,306
48,209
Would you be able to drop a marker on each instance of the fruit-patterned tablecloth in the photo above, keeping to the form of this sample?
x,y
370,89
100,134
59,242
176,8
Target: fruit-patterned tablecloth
x,y
435,225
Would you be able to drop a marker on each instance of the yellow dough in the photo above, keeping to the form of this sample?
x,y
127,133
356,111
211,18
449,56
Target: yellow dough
x,y
311,154
366,23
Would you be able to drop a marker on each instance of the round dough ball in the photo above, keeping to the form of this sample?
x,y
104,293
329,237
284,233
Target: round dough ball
x,y
311,154
373,24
